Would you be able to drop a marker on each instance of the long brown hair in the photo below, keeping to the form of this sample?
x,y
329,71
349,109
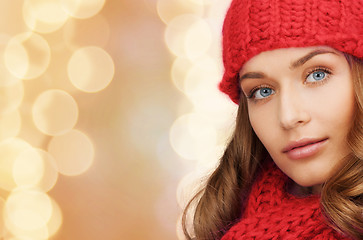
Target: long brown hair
x,y
342,194
220,204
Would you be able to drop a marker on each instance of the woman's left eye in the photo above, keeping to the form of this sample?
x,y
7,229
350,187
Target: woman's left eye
x,y
317,75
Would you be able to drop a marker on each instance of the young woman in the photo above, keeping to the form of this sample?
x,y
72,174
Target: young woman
x,y
294,166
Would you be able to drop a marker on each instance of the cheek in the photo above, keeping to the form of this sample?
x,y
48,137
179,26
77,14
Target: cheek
x,y
336,106
264,125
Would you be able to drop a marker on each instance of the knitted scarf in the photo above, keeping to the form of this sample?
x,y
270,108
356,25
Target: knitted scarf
x,y
273,213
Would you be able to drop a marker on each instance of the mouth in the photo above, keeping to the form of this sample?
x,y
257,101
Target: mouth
x,y
304,148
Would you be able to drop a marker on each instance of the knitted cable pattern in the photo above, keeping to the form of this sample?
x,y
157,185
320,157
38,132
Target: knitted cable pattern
x,y
273,213
254,26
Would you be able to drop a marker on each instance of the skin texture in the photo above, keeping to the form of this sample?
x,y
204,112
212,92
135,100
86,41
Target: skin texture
x,y
307,95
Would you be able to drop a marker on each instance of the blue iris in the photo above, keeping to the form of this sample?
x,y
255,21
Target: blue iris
x,y
263,92
318,75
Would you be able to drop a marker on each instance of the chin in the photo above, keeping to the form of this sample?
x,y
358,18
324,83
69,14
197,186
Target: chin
x,y
308,182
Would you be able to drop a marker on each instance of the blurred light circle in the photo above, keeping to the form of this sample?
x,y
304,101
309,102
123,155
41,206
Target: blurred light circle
x,y
28,210
93,32
44,16
177,31
82,8
11,97
169,9
55,220
25,234
91,69
10,124
209,163
198,39
218,108
28,168
202,78
27,55
201,87
73,152
179,72
29,132
16,57
55,112
10,149
35,168
50,173
6,78
192,136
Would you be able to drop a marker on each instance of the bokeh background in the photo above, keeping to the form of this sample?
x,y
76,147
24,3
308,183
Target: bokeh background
x,y
110,115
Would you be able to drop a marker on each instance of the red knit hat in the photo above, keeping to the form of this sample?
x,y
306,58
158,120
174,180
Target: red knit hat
x,y
254,26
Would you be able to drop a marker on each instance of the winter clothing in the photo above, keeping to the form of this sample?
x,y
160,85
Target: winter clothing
x,y
273,213
254,26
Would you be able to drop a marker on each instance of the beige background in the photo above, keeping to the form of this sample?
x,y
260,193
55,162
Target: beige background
x,y
132,188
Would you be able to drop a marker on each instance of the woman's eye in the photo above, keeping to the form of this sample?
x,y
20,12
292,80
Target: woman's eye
x,y
316,76
263,93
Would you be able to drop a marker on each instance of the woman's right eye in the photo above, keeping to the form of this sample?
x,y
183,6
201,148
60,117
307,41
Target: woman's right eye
x,y
263,92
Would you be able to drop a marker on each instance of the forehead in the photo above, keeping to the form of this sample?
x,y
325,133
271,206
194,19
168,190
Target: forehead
x,y
282,56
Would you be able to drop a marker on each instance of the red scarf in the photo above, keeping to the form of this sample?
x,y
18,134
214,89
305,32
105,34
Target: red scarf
x,y
272,213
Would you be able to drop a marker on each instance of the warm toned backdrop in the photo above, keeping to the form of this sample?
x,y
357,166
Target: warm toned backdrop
x,y
109,113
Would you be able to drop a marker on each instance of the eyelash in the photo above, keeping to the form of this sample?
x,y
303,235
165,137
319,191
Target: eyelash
x,y
255,89
319,68
316,69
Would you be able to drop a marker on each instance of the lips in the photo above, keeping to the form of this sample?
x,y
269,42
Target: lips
x,y
304,148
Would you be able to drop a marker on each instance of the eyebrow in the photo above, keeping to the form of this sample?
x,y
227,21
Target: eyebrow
x,y
252,75
299,62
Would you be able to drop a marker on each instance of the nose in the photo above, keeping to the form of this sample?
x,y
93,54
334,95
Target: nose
x,y
293,110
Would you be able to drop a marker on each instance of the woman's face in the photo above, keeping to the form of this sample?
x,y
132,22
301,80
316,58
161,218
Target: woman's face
x,y
301,106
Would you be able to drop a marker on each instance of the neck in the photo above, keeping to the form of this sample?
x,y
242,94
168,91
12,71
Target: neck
x,y
300,191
